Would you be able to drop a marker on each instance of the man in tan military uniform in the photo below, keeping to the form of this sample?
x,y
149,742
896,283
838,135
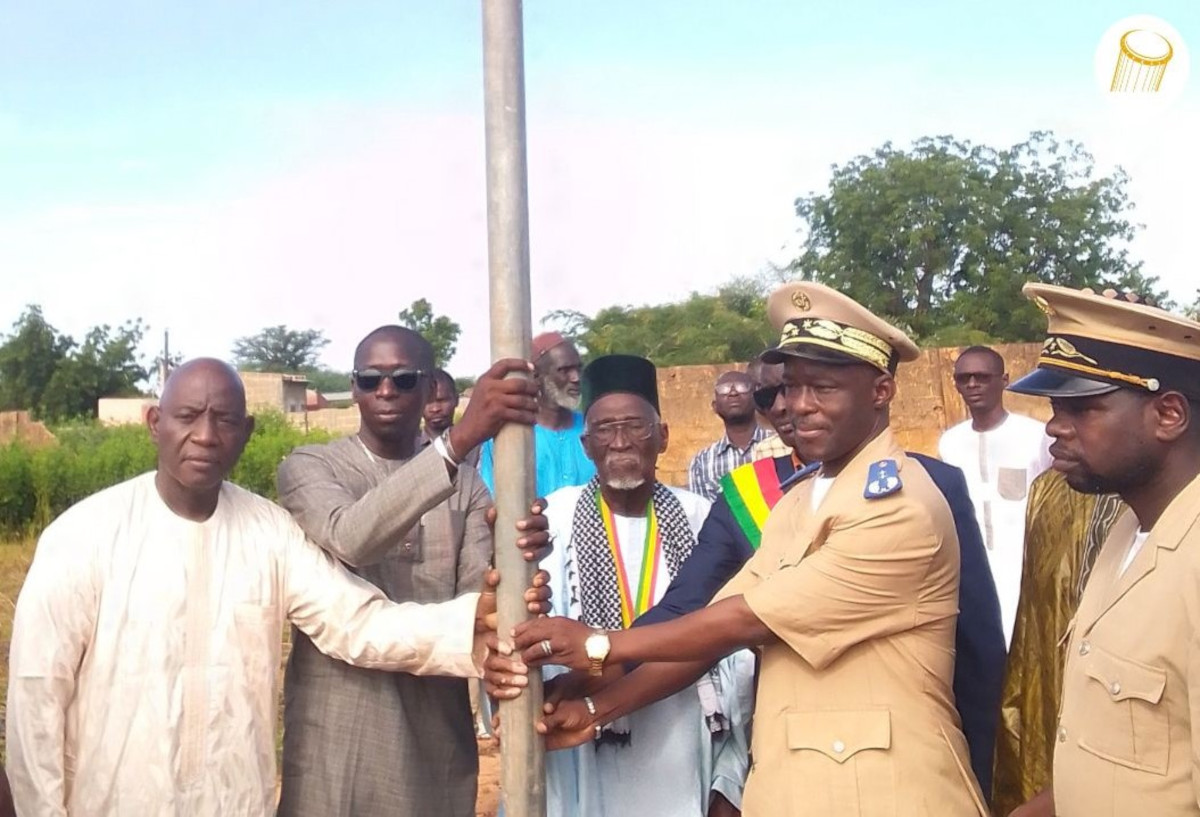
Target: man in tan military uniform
x,y
852,598
1124,382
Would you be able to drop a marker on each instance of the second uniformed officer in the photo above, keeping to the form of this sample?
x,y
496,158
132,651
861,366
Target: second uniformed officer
x,y
1124,382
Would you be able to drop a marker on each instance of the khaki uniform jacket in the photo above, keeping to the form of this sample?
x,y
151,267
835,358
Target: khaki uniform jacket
x,y
1127,730
855,713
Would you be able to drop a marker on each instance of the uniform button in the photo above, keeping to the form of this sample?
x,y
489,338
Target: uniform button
x,y
1062,734
1115,688
408,545
839,747
1085,648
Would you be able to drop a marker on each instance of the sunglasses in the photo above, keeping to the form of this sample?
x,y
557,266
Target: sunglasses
x,y
764,398
983,378
402,379
726,389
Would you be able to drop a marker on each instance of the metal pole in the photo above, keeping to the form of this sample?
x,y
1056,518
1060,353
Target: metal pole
x,y
522,760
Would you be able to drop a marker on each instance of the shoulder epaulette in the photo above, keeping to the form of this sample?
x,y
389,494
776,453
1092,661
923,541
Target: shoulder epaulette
x,y
883,479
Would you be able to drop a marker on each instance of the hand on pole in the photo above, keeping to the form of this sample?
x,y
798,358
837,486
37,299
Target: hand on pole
x,y
534,536
495,400
556,640
537,599
566,724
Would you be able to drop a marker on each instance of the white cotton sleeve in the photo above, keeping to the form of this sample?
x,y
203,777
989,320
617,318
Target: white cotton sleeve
x,y
350,619
54,620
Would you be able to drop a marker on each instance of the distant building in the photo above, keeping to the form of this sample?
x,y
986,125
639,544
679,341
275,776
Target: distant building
x,y
121,411
271,391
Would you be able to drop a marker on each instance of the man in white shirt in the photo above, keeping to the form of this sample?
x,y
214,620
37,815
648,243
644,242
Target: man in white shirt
x,y
1001,454
146,641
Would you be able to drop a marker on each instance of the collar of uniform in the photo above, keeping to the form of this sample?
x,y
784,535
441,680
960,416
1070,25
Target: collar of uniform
x,y
1177,518
855,472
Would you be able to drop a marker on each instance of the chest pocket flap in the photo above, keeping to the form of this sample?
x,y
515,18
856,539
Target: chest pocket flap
x,y
1125,679
839,735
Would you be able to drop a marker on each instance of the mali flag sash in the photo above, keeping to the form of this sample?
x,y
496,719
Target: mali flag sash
x,y
752,490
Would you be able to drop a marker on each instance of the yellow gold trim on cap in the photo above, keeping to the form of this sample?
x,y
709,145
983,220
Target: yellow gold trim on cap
x,y
1061,347
830,334
1149,384
1044,305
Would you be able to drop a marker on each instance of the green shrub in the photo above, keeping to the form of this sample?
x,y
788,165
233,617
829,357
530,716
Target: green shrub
x,y
273,439
16,489
37,484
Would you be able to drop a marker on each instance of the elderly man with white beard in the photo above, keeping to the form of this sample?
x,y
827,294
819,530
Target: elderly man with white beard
x,y
561,460
622,538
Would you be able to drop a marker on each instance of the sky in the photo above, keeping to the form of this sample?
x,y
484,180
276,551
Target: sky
x,y
217,168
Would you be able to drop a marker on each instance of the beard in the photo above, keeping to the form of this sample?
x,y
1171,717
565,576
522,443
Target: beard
x,y
1136,474
625,483
559,396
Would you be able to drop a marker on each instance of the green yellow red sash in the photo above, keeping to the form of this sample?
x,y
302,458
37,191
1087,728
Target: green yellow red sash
x,y
633,606
752,490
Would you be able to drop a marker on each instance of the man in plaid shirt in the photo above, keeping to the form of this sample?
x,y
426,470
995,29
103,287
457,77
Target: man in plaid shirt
x,y
733,403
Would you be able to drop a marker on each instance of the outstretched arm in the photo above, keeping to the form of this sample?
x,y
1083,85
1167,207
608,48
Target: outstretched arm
x,y
705,636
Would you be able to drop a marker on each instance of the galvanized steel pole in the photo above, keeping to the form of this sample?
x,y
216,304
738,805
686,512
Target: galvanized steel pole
x,y
522,759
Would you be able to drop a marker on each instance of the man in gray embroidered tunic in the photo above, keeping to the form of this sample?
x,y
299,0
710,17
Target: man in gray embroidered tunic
x,y
408,519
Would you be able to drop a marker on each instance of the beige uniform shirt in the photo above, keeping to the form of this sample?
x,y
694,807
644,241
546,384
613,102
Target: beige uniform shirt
x,y
855,713
1127,734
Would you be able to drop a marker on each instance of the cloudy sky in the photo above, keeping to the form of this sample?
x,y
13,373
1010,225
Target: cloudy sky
x,y
216,168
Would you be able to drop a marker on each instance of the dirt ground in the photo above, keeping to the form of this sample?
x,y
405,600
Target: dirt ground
x,y
489,779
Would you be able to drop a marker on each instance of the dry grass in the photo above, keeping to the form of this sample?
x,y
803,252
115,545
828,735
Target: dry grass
x,y
14,562
15,557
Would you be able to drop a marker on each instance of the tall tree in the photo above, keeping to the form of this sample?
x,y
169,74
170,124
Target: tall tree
x,y
728,327
28,359
941,237
441,332
106,364
279,349
1193,311
56,378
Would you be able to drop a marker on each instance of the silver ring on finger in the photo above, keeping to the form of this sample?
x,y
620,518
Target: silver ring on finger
x,y
546,648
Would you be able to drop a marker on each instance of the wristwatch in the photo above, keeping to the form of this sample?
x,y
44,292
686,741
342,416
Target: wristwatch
x,y
596,646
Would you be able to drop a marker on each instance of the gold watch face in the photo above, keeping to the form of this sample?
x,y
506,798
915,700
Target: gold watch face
x,y
596,646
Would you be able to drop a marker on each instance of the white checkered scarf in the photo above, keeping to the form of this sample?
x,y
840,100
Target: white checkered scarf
x,y
592,578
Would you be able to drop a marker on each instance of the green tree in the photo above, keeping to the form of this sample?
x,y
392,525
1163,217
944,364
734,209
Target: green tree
x,y
1193,311
441,332
58,379
279,349
107,364
327,380
728,327
28,359
941,237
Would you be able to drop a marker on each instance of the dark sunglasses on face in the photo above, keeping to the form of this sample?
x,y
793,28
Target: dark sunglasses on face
x,y
726,389
983,378
402,379
764,398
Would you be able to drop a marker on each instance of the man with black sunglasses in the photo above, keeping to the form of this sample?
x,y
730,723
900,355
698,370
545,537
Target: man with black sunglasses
x,y
407,514
768,383
1001,453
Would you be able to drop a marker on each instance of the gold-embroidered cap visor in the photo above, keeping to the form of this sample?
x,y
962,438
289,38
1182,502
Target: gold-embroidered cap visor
x,y
1097,345
820,323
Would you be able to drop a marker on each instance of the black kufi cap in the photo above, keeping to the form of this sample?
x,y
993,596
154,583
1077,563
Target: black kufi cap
x,y
610,374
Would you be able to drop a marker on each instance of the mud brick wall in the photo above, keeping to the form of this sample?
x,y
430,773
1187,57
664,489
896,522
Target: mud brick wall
x,y
926,404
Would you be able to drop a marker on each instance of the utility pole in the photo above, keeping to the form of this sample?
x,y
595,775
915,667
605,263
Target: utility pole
x,y
522,756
